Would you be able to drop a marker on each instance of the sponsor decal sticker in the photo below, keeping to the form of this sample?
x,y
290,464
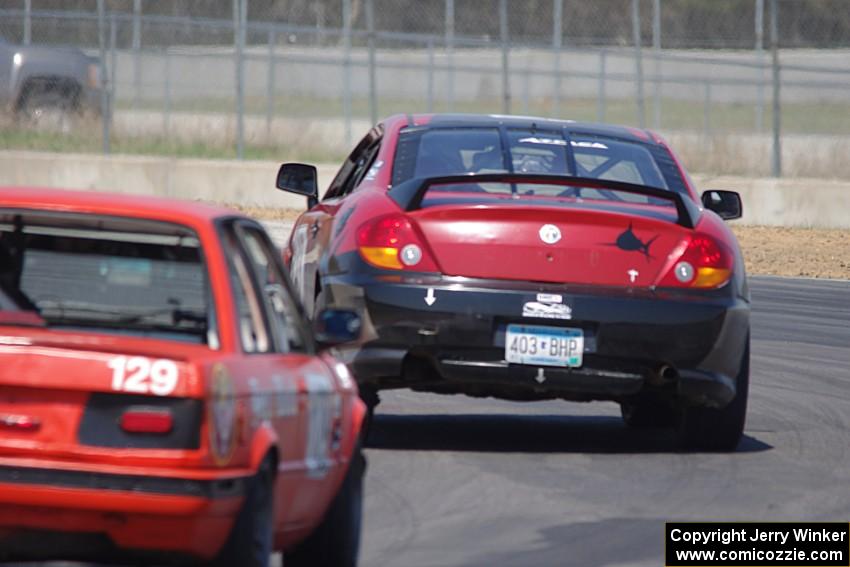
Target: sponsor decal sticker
x,y
320,405
141,375
549,233
547,310
222,425
580,144
260,406
544,141
550,298
286,404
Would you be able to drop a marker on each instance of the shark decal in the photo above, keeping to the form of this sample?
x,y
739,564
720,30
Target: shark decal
x,y
629,242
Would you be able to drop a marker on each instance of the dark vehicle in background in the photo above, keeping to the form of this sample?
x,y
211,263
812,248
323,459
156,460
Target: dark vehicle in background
x,y
48,85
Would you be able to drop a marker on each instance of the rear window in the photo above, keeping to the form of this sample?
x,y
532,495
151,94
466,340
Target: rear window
x,y
6,303
116,275
452,151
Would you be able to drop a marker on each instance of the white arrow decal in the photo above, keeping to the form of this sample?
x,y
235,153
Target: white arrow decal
x,y
540,376
430,299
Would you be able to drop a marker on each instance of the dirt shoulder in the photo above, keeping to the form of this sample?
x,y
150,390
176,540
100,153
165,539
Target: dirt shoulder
x,y
802,252
768,250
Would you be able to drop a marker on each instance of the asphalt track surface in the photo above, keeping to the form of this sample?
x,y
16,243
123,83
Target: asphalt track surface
x,y
455,481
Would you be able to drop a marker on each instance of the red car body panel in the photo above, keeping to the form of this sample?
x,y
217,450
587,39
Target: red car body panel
x,y
50,480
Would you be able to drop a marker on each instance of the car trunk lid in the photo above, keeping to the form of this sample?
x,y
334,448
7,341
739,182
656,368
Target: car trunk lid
x,y
48,379
551,244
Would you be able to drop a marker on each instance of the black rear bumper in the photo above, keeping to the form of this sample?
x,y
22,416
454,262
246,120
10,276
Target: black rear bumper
x,y
452,339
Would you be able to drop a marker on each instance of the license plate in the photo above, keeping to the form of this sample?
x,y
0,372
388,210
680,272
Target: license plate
x,y
544,346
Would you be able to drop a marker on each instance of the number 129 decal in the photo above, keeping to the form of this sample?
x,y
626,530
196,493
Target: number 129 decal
x,y
141,375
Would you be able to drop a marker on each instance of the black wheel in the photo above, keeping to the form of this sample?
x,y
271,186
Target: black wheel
x,y
250,541
648,412
336,541
370,397
48,110
712,429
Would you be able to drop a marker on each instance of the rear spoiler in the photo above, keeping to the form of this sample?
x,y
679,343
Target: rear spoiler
x,y
409,195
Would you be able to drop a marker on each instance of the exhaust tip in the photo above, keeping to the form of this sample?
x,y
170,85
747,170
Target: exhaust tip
x,y
663,375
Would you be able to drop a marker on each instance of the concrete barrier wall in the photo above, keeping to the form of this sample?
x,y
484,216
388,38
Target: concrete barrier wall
x,y
233,182
817,203
767,201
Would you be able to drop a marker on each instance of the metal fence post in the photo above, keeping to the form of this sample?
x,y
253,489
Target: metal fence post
x,y
137,46
430,95
166,113
450,53
506,77
113,62
638,63
759,25
600,97
346,68
373,87
656,52
104,87
557,42
776,165
270,86
526,87
240,8
27,22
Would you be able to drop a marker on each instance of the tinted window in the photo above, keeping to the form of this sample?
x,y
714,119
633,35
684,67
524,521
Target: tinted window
x,y
124,276
253,334
539,152
356,165
280,305
6,303
448,151
430,153
604,158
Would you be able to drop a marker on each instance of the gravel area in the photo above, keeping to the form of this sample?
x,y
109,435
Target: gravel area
x,y
799,252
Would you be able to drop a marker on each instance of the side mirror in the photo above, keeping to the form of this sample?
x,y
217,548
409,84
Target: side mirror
x,y
727,204
337,326
301,179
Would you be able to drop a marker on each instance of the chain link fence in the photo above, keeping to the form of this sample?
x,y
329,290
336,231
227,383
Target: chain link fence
x,y
304,78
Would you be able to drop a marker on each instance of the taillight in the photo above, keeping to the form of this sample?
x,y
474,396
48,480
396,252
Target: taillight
x,y
19,422
703,263
392,242
147,420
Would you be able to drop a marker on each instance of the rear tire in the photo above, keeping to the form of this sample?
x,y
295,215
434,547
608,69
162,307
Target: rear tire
x,y
648,412
369,396
251,539
48,110
336,541
720,430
